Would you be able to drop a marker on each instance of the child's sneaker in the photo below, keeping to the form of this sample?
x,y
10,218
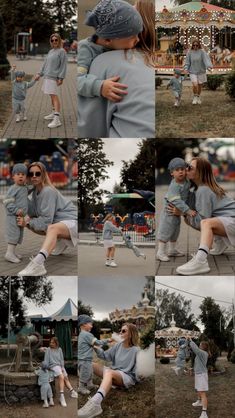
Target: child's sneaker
x,y
51,402
17,118
175,253
197,403
176,370
162,257
177,103
12,258
204,414
194,102
84,391
113,264
45,405
92,386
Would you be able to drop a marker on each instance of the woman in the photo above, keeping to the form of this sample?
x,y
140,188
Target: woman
x,y
49,214
122,373
215,216
134,115
197,62
53,71
54,360
108,230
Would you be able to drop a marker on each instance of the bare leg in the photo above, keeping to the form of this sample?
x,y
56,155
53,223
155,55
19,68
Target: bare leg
x,y
199,89
111,377
195,89
209,228
203,399
98,369
112,252
61,382
67,383
55,102
55,231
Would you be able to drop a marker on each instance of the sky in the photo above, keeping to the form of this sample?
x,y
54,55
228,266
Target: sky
x,y
161,3
221,288
64,287
117,150
105,295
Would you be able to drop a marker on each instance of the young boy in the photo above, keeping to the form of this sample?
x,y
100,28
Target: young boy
x,y
16,204
117,25
176,85
45,387
182,355
86,342
169,225
19,91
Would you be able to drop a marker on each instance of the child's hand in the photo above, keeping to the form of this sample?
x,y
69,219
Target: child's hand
x,y
19,212
13,67
209,68
37,76
191,212
112,90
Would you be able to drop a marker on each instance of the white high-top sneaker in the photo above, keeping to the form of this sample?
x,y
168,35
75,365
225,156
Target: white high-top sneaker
x,y
50,116
55,122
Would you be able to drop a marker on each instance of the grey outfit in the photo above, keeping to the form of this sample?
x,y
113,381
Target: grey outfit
x,y
19,91
131,246
201,358
134,115
54,357
49,207
88,85
109,229
176,85
55,65
15,199
123,359
197,62
45,387
169,225
86,341
182,354
208,205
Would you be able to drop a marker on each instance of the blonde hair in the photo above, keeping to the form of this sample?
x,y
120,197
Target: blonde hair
x,y
133,336
198,42
206,176
147,43
57,36
205,346
108,217
45,178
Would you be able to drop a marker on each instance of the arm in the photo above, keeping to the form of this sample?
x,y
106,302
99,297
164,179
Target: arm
x,y
9,202
63,65
47,211
207,60
205,200
13,77
47,357
107,355
30,83
187,62
61,358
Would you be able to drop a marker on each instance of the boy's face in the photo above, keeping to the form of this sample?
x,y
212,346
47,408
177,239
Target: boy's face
x,y
19,79
179,174
177,75
19,179
87,327
125,43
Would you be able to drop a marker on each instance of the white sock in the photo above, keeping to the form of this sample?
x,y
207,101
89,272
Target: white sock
x,y
57,114
161,247
41,257
202,253
172,245
99,396
11,249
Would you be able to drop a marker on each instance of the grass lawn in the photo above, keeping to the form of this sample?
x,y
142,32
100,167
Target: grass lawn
x,y
175,394
5,102
214,118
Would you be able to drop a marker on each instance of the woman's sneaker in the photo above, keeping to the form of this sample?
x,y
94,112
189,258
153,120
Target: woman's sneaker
x,y
194,102
33,269
73,394
203,414
113,264
193,267
61,246
219,247
90,410
49,117
197,403
55,122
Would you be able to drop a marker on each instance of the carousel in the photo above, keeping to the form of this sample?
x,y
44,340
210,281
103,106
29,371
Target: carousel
x,y
167,339
214,27
141,316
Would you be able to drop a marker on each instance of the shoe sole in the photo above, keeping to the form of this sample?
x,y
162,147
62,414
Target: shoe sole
x,y
160,259
11,261
206,270
176,255
96,414
31,275
52,127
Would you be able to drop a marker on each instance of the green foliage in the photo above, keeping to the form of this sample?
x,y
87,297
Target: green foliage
x,y
214,81
214,323
4,64
64,13
230,85
232,357
148,335
84,309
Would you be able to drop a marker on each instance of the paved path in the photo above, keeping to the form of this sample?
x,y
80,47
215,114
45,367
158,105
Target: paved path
x,y
188,243
63,265
38,105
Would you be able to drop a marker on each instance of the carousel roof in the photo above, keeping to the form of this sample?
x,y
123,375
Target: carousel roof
x,y
196,6
175,332
67,312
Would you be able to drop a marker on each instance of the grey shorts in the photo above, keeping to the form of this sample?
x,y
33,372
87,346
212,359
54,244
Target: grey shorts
x,y
85,371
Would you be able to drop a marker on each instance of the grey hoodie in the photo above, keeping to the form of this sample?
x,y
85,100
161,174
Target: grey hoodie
x,y
55,64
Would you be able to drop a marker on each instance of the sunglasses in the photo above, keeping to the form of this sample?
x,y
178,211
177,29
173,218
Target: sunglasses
x,y
123,331
189,167
54,40
35,174
195,45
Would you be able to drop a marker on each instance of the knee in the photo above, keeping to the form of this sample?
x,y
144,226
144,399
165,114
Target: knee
x,y
61,377
207,223
108,373
52,229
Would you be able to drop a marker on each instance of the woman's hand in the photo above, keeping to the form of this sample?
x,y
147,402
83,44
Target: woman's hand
x,y
172,210
59,82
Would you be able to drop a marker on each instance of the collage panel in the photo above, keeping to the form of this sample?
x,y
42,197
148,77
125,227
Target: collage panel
x,y
116,207
38,347
195,66
118,370
195,201
116,69
38,207
195,339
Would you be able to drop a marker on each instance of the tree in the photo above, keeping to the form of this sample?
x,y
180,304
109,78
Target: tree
x,y
170,303
4,63
139,173
39,290
84,309
214,322
64,13
92,163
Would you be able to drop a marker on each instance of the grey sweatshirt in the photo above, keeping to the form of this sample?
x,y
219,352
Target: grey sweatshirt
x,y
176,84
200,359
15,199
19,88
86,341
197,62
88,84
54,357
55,64
208,205
49,207
132,117
123,359
109,229
177,194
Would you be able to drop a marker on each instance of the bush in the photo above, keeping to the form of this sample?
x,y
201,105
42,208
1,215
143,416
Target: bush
x,y
232,357
165,360
230,85
4,70
214,81
158,82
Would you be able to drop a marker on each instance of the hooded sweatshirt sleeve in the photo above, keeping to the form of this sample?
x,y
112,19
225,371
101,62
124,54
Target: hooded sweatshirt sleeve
x,y
63,64
46,210
107,355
